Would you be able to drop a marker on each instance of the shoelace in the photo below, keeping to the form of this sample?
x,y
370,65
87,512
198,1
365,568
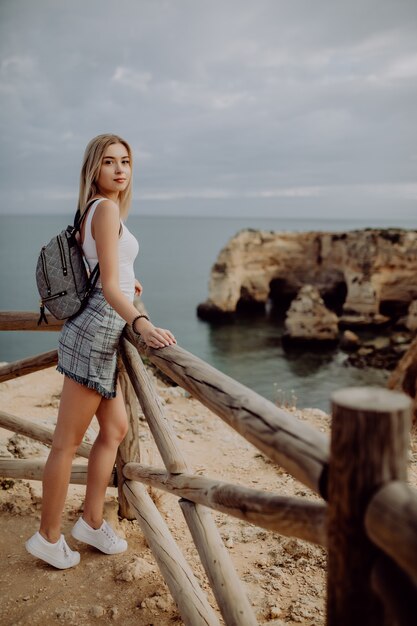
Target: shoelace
x,y
109,533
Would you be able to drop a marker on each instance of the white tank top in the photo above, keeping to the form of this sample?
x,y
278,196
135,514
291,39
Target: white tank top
x,y
128,250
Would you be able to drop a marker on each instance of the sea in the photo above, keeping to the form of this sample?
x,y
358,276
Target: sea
x,y
174,262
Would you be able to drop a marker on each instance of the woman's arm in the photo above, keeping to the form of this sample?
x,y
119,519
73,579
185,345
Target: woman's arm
x,y
106,224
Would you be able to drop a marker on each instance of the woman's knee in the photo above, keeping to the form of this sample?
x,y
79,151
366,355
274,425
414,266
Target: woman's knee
x,y
112,418
115,431
120,430
64,447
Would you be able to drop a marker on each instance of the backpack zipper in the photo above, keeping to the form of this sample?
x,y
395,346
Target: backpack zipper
x,y
62,253
45,273
56,295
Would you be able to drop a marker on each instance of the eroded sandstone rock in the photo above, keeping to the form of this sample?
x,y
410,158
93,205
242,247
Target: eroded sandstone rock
x,y
308,318
370,271
411,320
136,569
404,377
349,341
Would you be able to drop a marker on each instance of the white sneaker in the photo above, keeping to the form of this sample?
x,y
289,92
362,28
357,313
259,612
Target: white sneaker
x,y
58,554
103,538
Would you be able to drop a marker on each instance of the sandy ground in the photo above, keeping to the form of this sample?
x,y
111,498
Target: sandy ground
x,y
284,577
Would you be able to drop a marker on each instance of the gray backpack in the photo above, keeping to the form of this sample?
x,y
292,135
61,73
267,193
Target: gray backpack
x,y
62,275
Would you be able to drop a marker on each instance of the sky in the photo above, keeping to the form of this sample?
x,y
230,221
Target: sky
x,y
266,108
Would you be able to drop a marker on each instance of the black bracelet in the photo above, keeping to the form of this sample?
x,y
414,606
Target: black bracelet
x,y
138,317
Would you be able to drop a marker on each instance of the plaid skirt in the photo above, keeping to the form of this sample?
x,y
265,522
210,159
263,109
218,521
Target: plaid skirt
x,y
87,346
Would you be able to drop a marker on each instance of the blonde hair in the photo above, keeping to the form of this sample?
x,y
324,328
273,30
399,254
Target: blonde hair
x,y
90,171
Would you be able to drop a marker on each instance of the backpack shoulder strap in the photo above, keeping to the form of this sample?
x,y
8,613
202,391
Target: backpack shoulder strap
x,y
78,219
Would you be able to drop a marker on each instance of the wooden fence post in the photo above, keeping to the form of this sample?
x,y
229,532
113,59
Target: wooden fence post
x,y
396,591
369,447
394,507
159,425
128,450
191,600
227,587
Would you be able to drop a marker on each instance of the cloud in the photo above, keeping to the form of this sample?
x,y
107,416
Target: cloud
x,y
205,96
404,68
138,81
13,70
240,103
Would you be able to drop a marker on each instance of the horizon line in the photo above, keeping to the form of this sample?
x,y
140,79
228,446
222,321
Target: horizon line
x,y
229,217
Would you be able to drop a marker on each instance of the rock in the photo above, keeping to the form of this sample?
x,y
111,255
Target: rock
x,y
365,350
359,270
274,611
209,311
349,341
400,339
382,352
65,613
6,483
308,318
404,376
363,320
401,349
162,603
25,448
386,358
379,343
135,569
295,548
411,319
97,611
4,452
114,612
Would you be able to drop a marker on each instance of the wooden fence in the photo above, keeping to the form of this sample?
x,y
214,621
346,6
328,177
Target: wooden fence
x,y
367,517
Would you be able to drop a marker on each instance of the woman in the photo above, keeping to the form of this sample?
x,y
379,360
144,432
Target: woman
x,y
87,357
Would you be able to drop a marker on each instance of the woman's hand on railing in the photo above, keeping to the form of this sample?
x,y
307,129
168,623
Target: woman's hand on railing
x,y
154,337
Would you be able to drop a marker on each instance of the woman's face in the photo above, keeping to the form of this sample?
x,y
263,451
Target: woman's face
x,y
115,171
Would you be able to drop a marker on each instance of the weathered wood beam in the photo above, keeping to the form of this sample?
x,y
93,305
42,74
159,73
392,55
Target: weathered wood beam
x,y
169,448
299,448
370,440
227,587
129,449
391,523
162,431
293,517
27,469
39,432
191,600
27,320
28,365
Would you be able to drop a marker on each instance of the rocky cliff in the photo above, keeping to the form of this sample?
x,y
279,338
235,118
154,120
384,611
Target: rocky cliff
x,y
404,377
308,318
366,274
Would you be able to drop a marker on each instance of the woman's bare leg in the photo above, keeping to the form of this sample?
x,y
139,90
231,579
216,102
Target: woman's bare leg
x,y
112,418
76,409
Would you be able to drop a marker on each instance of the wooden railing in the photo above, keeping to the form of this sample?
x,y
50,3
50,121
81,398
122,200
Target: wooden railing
x,y
367,517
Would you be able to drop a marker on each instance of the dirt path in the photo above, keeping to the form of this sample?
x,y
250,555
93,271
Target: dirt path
x,y
284,577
